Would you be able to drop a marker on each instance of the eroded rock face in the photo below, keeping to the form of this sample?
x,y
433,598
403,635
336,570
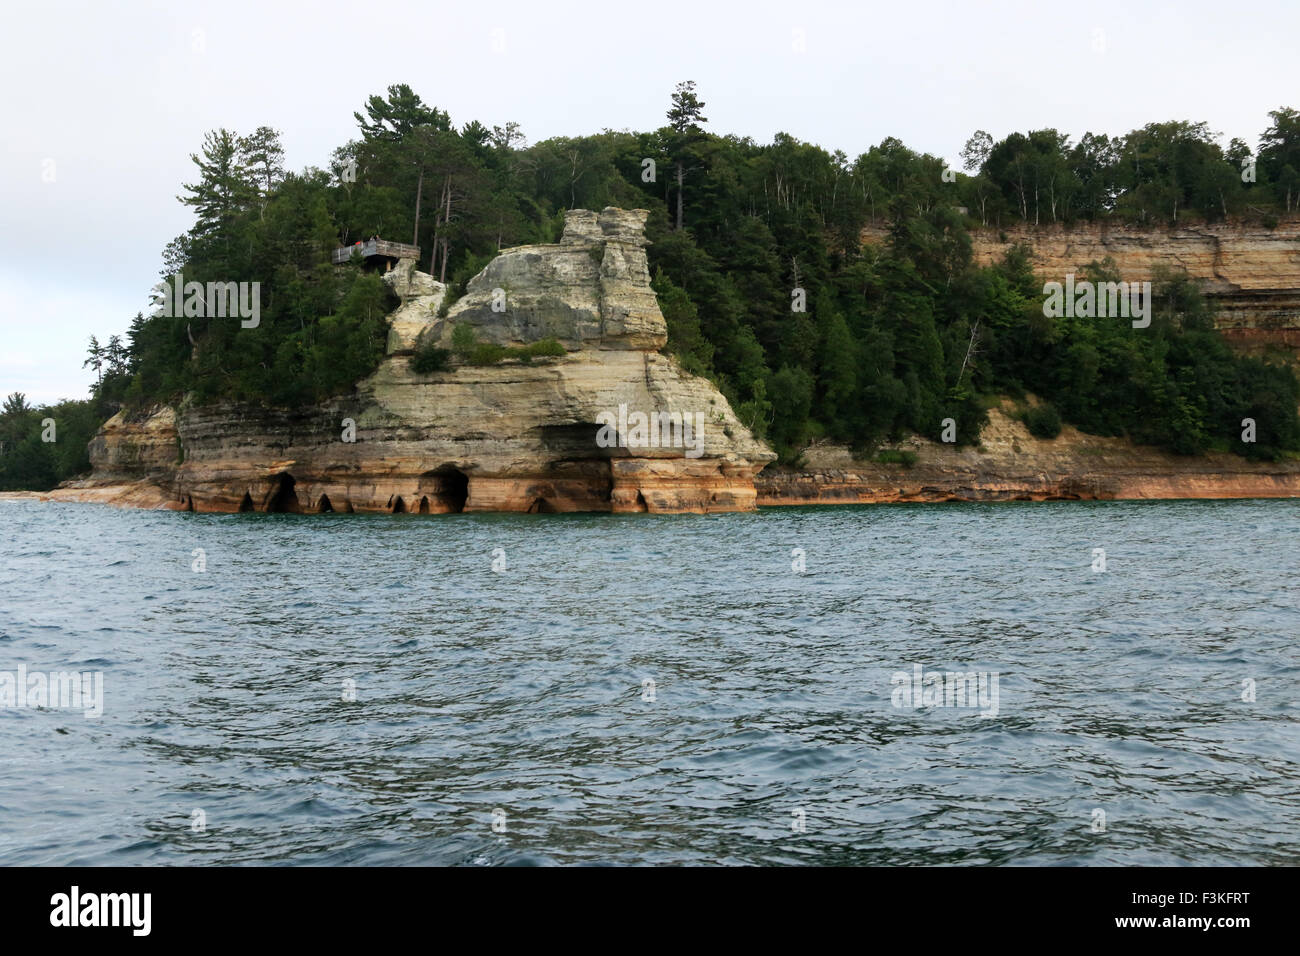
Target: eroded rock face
x,y
507,437
421,297
590,291
1249,272
138,446
1011,464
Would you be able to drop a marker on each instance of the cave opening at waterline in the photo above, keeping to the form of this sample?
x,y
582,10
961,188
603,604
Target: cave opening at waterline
x,y
324,506
456,489
541,506
285,499
446,487
246,503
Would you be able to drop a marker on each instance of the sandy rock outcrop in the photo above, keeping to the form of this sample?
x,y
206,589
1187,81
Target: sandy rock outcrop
x,y
421,297
139,446
522,436
590,291
518,435
1011,464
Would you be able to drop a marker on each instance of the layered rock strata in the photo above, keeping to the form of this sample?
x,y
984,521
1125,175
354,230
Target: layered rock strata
x,y
1249,272
1010,464
517,435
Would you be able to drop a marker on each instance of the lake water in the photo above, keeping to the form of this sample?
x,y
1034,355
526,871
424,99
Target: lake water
x,y
773,732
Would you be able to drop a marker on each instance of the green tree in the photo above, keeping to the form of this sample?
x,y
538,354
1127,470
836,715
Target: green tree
x,y
1279,154
262,155
223,190
684,118
94,359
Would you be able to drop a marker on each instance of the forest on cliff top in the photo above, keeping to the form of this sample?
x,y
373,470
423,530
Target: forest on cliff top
x,y
891,339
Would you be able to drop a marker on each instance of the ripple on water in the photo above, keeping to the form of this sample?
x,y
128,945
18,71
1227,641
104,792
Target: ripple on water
x,y
654,689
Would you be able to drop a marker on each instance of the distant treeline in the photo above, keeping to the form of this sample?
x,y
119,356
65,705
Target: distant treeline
x,y
893,339
43,445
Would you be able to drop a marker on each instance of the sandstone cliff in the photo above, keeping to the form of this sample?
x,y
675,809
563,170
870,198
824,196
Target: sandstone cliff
x,y
521,436
1011,464
1252,275
513,436
1249,272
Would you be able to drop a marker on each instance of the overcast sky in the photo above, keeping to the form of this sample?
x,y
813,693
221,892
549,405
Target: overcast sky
x,y
103,103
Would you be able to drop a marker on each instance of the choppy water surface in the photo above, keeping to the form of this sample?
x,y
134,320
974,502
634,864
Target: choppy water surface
x,y
523,690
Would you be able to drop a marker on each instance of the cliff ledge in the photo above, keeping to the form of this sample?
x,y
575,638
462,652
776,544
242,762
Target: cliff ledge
x,y
517,435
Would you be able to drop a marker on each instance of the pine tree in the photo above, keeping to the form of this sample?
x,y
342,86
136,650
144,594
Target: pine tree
x,y
392,118
224,189
684,117
96,359
261,154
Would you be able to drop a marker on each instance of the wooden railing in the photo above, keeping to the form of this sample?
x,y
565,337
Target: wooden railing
x,y
376,247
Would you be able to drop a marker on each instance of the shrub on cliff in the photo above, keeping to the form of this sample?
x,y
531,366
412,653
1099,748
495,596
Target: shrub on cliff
x,y
467,347
463,339
543,348
896,456
429,358
1043,420
487,353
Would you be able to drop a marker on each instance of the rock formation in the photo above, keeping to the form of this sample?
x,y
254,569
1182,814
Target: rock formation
x,y
522,435
517,435
1250,272
1010,464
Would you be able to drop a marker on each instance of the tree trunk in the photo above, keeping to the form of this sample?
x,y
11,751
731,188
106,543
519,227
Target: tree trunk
x,y
970,350
446,218
433,256
681,175
419,189
438,222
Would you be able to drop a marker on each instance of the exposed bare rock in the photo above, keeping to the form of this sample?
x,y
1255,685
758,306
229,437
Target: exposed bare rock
x,y
590,291
137,446
1251,273
513,436
421,297
1011,464
522,436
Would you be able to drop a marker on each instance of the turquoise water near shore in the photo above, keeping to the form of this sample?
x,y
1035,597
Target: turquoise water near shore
x,y
524,690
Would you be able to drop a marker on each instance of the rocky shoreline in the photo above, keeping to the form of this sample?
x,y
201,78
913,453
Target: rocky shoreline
x,y
521,433
516,432
1008,465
